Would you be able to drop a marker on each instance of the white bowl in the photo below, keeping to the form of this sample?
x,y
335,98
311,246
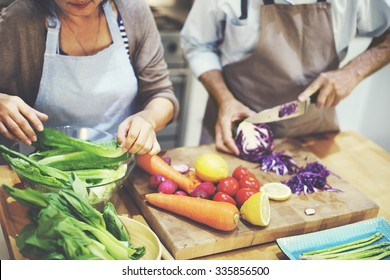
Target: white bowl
x,y
141,235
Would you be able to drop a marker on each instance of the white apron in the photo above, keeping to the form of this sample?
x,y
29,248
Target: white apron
x,y
93,91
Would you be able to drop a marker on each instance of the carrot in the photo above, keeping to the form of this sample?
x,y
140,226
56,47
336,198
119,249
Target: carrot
x,y
216,214
156,165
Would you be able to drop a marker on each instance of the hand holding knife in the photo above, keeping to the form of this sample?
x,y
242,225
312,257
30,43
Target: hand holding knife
x,y
284,111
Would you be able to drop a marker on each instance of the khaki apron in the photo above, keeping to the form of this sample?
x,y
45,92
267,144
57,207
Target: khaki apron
x,y
296,44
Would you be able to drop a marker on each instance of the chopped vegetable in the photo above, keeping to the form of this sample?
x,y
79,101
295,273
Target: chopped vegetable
x,y
65,226
310,211
255,143
356,250
309,179
219,215
182,168
278,162
156,165
287,109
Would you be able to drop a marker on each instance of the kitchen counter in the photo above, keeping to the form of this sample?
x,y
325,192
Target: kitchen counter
x,y
352,156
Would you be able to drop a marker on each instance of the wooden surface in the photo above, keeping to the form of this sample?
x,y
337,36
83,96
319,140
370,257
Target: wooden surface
x,y
359,162
187,239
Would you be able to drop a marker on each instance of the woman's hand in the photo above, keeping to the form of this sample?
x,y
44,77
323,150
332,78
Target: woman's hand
x,y
136,134
229,112
18,120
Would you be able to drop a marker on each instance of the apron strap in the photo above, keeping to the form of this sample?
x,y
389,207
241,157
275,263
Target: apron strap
x,y
244,9
271,2
112,23
52,46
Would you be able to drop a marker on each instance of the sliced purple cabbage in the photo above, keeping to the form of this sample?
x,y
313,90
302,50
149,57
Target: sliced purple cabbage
x,y
255,143
287,109
310,179
279,163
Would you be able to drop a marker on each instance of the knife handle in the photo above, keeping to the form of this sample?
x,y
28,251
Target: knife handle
x,y
313,97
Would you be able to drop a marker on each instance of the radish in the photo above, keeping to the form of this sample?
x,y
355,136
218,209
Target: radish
x,y
182,168
155,180
200,193
181,193
167,160
207,187
167,187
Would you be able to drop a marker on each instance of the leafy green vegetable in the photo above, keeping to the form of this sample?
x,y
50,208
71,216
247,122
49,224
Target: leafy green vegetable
x,y
82,160
61,161
50,137
65,226
44,170
356,250
113,223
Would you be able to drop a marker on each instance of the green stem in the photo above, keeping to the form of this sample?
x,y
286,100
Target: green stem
x,y
347,246
353,254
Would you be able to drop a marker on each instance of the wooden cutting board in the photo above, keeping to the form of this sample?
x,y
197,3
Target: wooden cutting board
x,y
186,239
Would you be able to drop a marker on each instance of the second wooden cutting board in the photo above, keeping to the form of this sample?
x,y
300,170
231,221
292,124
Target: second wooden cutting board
x,y
186,239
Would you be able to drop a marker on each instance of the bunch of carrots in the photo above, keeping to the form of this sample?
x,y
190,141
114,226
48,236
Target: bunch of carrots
x,y
219,215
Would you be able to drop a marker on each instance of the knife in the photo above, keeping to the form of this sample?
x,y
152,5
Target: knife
x,y
282,112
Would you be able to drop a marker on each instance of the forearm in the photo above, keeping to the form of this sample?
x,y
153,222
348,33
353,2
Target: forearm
x,y
373,59
215,85
159,112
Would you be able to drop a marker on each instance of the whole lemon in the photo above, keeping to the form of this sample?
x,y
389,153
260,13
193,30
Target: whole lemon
x,y
211,167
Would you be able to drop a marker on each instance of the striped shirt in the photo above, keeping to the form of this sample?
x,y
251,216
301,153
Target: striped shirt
x,y
123,33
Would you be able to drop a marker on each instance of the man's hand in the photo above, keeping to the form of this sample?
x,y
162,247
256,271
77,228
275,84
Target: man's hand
x,y
332,86
229,112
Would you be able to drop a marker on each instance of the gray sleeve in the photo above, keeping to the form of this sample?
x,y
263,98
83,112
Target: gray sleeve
x,y
147,54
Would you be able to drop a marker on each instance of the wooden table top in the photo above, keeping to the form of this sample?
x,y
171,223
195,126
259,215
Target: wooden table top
x,y
351,155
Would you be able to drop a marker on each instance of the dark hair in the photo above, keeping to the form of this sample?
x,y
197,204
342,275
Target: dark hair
x,y
45,6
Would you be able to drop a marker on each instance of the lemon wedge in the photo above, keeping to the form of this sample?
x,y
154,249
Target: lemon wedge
x,y
211,167
256,209
276,191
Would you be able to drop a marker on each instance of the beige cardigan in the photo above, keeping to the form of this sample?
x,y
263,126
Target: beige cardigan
x,y
22,47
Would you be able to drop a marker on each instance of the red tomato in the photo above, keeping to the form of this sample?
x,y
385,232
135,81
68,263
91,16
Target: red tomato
x,y
243,194
220,196
249,181
228,185
240,171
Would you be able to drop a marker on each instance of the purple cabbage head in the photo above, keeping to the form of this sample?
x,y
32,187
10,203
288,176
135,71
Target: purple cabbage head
x,y
253,140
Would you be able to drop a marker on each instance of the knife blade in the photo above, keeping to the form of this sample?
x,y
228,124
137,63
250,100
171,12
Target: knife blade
x,y
284,111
